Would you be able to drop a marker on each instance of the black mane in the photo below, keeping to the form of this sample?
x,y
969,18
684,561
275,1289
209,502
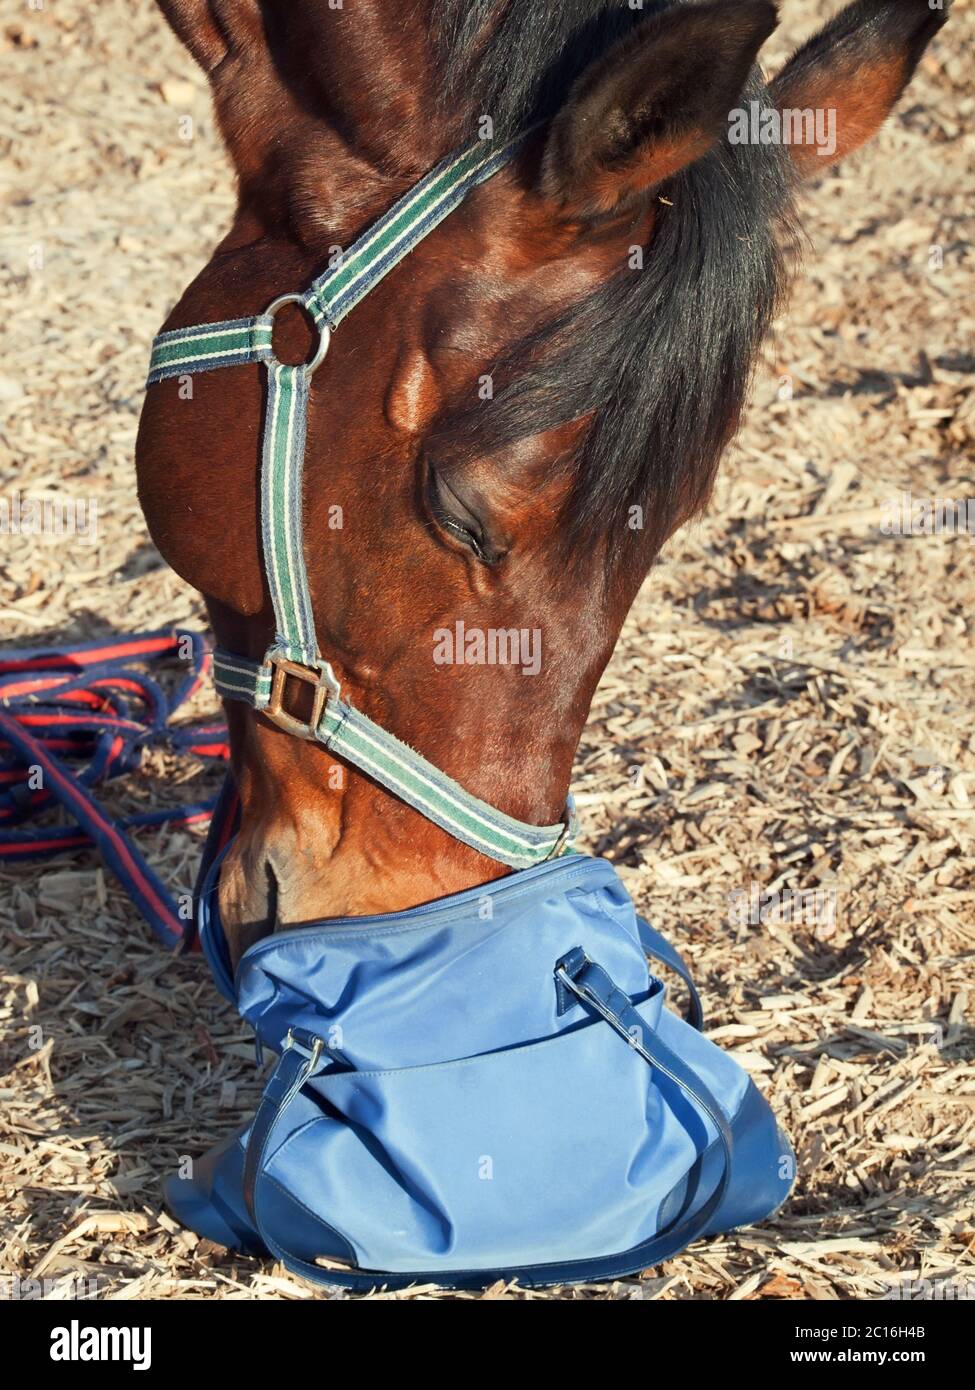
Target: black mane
x,y
662,355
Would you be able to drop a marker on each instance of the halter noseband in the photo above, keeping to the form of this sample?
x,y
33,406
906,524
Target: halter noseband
x,y
295,653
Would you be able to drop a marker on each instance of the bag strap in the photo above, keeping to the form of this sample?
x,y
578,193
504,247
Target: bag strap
x,y
305,1055
592,985
660,948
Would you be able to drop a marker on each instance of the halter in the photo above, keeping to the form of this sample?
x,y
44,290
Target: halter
x,y
294,654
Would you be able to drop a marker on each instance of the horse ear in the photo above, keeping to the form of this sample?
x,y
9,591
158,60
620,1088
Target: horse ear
x,y
654,103
848,76
212,29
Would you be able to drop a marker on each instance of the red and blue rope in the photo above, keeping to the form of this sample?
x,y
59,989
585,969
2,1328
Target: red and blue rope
x,y
82,715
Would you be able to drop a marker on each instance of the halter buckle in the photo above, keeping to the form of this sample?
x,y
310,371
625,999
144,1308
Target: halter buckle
x,y
320,677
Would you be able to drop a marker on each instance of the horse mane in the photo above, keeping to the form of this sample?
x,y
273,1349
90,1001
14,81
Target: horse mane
x,y
661,357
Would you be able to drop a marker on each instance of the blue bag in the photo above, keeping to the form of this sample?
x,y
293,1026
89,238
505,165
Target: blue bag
x,y
485,1087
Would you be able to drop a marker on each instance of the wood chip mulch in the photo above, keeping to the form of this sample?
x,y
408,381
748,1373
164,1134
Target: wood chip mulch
x,y
789,710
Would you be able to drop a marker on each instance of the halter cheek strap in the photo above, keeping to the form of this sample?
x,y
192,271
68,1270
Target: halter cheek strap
x,y
294,654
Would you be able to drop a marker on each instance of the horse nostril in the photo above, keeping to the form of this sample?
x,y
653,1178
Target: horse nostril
x,y
273,891
249,895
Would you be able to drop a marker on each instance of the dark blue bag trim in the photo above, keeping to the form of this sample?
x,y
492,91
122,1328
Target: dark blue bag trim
x,y
660,948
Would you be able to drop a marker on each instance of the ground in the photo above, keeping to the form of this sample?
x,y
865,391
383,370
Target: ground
x,y
788,709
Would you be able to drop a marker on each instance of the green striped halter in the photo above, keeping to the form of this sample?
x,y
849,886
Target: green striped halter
x,y
295,654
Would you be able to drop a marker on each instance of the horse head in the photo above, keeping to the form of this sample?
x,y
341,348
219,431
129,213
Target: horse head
x,y
510,425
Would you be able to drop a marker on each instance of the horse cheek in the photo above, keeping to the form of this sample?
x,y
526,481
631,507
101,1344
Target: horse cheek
x,y
205,521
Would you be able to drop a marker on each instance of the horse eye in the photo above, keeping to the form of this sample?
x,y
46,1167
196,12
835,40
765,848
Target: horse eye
x,y
451,515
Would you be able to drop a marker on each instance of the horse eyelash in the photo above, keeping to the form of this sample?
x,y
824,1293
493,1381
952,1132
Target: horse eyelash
x,y
469,538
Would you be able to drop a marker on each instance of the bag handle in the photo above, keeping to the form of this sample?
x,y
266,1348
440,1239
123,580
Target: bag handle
x,y
305,1055
660,948
592,985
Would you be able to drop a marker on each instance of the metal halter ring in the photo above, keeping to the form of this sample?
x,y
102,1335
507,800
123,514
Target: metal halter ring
x,y
324,333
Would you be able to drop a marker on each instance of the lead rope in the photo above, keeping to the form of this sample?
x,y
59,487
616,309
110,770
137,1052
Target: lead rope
x,y
75,717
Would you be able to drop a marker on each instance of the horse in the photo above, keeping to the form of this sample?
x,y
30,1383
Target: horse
x,y
508,428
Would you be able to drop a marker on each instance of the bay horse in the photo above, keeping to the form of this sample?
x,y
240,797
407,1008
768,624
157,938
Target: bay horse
x,y
511,424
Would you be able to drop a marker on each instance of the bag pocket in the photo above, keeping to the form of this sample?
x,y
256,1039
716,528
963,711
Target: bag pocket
x,y
557,1150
